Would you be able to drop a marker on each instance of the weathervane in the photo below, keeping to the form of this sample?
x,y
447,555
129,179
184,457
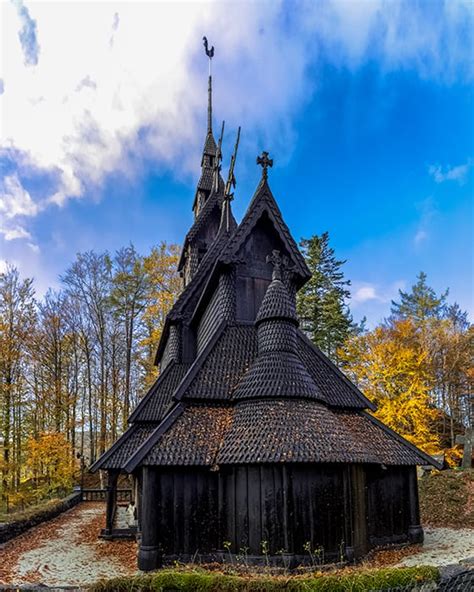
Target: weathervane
x,y
210,55
209,52
264,162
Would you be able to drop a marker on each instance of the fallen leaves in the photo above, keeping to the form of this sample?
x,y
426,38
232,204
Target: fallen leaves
x,y
79,527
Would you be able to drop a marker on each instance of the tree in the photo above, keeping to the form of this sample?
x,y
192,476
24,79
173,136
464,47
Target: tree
x,y
447,336
421,303
164,285
50,461
130,286
17,320
322,301
88,281
391,365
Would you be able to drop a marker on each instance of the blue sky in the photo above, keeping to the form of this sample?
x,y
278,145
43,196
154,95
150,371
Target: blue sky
x,y
366,108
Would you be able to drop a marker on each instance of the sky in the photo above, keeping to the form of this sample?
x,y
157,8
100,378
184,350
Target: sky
x,y
366,107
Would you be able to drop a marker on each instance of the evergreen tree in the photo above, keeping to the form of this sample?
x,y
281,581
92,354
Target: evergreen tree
x,y
421,303
322,301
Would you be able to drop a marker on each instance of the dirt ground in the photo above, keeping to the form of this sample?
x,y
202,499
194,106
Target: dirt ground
x,y
66,551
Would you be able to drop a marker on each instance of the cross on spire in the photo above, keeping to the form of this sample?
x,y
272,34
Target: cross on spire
x,y
279,263
264,162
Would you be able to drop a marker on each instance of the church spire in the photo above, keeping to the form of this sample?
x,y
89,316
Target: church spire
x,y
210,55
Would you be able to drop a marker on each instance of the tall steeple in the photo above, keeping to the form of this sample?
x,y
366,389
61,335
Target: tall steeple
x,y
205,184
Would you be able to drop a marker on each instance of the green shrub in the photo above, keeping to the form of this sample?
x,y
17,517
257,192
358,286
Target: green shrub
x,y
200,580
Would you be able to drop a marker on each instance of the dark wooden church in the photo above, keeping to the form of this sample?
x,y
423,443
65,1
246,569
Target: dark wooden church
x,y
251,439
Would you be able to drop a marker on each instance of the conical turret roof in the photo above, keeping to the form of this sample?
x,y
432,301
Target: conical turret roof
x,y
277,304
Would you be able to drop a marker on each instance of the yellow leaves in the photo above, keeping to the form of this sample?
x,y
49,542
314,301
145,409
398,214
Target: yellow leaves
x,y
49,459
164,287
391,365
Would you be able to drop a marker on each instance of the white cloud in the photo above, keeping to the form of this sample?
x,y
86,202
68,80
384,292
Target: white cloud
x,y
14,232
116,83
365,293
27,34
450,173
15,200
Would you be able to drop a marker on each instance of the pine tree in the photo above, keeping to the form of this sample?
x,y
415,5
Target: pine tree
x,y
322,302
421,303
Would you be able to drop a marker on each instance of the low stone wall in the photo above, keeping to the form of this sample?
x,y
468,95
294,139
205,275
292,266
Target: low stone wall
x,y
10,530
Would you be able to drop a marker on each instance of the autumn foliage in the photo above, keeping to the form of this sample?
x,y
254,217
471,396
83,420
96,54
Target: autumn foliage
x,y
391,365
49,461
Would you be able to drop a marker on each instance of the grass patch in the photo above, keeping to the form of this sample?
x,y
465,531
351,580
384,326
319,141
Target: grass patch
x,y
200,580
30,511
447,499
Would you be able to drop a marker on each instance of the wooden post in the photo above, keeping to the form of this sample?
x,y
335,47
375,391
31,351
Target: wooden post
x,y
415,531
149,555
112,478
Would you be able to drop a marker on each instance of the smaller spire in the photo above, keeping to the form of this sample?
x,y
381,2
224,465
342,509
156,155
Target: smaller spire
x,y
264,162
278,303
218,161
231,183
210,55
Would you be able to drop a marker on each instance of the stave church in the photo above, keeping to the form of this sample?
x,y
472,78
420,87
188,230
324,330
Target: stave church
x,y
251,440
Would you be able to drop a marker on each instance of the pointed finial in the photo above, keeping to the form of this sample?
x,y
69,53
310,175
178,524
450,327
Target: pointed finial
x,y
231,177
231,182
210,55
281,265
278,263
218,160
264,162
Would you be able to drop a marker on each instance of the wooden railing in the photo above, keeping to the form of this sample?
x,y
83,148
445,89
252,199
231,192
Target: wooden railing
x,y
100,495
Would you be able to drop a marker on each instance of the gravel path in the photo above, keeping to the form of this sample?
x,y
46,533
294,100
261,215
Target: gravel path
x,y
66,552
443,546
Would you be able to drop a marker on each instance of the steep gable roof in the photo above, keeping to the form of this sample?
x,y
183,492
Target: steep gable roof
x,y
264,202
339,390
159,398
213,203
187,300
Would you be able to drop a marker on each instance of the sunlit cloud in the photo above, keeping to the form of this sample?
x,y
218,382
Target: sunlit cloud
x,y
363,292
115,84
14,232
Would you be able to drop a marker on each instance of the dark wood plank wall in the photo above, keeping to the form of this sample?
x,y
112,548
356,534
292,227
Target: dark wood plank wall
x,y
330,507
388,504
187,511
255,274
306,505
